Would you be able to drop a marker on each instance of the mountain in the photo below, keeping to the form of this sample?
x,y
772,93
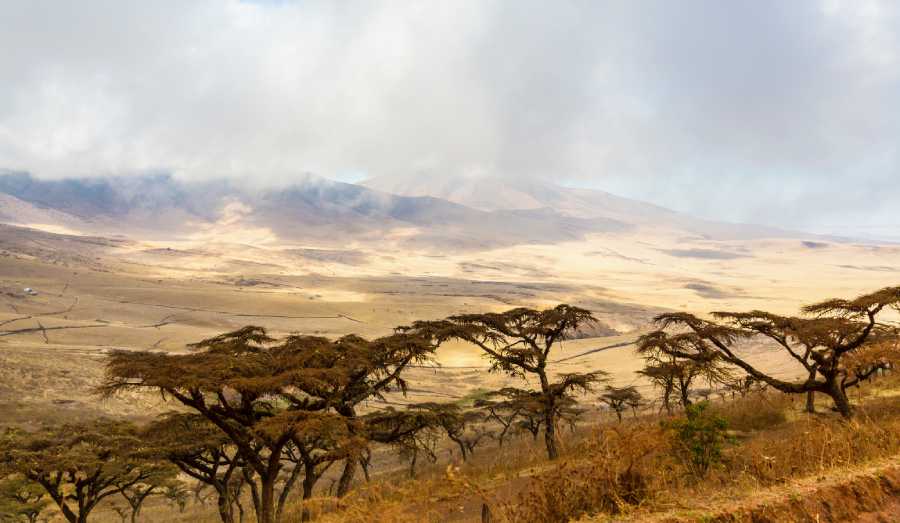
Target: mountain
x,y
312,209
497,193
501,194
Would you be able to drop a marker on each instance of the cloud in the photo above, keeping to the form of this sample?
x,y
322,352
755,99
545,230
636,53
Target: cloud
x,y
774,112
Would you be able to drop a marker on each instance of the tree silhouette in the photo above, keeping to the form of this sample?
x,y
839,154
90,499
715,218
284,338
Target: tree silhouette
x,y
620,399
78,465
819,341
519,342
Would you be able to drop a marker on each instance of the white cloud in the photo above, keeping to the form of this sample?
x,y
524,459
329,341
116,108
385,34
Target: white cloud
x,y
759,111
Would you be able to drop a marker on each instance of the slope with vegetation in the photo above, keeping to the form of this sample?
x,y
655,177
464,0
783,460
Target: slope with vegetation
x,y
280,429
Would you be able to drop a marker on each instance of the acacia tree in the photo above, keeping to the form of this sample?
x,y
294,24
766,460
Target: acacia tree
x,y
519,342
675,375
505,407
268,396
78,465
619,399
412,431
238,381
819,342
156,476
176,494
200,450
369,369
21,499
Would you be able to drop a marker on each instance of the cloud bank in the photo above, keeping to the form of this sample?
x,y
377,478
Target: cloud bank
x,y
772,112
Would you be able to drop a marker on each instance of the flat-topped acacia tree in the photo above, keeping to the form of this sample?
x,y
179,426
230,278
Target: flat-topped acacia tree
x,y
369,369
78,465
673,375
269,396
619,399
820,341
519,342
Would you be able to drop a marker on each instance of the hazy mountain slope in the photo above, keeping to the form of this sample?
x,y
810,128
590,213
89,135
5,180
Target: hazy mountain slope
x,y
310,209
496,193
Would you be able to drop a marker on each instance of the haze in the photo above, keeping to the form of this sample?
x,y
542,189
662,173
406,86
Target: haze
x,y
781,113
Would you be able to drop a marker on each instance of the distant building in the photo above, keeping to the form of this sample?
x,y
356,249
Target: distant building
x,y
30,291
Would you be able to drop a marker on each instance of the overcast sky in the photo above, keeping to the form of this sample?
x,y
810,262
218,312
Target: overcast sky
x,y
782,112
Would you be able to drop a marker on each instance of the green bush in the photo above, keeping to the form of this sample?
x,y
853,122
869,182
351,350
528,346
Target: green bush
x,y
698,439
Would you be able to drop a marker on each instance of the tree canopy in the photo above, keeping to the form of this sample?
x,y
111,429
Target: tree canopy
x,y
519,342
818,341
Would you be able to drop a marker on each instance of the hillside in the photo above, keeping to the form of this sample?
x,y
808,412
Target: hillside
x,y
507,193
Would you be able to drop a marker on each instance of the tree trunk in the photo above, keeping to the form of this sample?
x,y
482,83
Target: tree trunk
x,y
266,512
685,392
811,395
226,512
841,403
347,476
667,399
309,482
619,415
550,434
412,464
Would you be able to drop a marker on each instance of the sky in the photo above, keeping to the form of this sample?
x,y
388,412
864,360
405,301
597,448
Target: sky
x,y
774,112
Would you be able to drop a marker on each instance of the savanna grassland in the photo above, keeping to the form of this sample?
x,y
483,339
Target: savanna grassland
x,y
96,296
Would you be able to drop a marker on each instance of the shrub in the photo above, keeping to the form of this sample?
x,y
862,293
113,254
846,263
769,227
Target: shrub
x,y
619,469
699,438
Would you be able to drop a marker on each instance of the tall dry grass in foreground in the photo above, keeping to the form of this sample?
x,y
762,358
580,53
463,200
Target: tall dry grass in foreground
x,y
618,471
633,468
630,468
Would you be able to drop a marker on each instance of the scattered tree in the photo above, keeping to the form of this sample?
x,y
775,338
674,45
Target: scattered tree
x,y
273,398
21,499
78,465
176,494
519,342
818,341
505,407
620,399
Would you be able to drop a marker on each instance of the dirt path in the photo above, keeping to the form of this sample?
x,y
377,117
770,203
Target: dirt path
x,y
870,494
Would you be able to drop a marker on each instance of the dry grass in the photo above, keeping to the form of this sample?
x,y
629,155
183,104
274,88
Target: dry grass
x,y
612,471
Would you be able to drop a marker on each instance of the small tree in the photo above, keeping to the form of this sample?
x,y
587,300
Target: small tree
x,y
156,476
676,375
818,342
78,465
519,342
620,399
699,438
504,407
21,499
176,494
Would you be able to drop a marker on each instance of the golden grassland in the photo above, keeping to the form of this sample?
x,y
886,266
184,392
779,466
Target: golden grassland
x,y
782,464
95,295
